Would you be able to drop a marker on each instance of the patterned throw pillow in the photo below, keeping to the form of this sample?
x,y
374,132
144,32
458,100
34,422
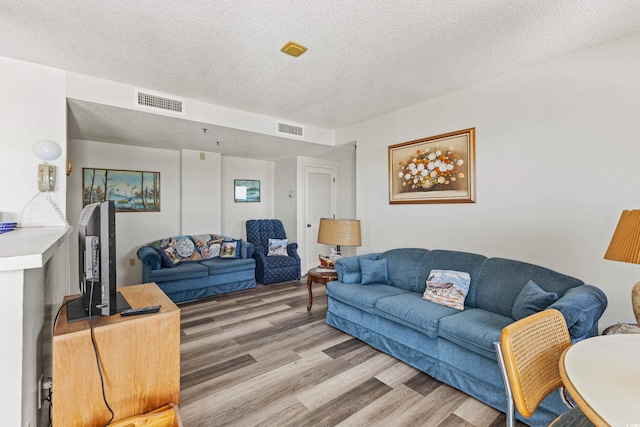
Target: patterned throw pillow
x,y
230,249
180,249
447,287
277,247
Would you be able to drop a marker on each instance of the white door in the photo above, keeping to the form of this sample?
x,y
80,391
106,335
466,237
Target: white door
x,y
320,202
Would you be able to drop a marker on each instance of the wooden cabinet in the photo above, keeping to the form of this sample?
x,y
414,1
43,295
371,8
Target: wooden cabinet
x,y
139,357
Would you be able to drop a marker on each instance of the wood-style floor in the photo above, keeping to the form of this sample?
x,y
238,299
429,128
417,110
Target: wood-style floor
x,y
259,358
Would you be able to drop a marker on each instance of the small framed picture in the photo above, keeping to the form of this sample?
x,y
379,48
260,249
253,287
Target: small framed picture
x,y
246,190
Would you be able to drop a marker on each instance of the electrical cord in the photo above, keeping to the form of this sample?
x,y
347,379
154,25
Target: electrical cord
x,y
47,398
95,351
55,321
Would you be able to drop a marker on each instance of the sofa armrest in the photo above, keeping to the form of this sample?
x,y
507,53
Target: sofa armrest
x,y
246,249
348,269
259,251
150,260
149,257
292,250
582,307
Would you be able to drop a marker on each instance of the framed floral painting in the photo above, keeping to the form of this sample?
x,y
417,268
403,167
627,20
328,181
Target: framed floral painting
x,y
437,169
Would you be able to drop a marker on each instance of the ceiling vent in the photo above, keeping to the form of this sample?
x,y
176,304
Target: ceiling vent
x,y
162,102
290,129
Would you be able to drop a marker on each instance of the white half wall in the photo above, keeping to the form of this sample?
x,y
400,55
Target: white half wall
x,y
557,162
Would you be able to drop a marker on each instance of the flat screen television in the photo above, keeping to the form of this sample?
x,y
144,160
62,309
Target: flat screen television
x,y
97,264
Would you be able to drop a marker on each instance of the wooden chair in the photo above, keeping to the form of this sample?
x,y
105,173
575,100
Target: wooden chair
x,y
529,354
166,416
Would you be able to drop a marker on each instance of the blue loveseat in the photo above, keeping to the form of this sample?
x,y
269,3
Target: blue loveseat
x,y
191,277
450,345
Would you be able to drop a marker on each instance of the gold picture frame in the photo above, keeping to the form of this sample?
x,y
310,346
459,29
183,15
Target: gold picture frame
x,y
437,169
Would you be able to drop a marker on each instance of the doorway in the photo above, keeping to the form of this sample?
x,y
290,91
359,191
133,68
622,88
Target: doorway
x,y
319,202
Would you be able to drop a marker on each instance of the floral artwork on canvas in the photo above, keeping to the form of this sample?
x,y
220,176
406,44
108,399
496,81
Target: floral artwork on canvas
x,y
438,169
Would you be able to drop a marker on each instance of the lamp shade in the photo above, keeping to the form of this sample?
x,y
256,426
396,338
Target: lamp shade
x,y
625,243
339,232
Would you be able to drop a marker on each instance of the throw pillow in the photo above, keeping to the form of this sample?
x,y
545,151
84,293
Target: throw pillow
x,y
230,249
532,299
277,247
447,287
175,250
207,245
374,271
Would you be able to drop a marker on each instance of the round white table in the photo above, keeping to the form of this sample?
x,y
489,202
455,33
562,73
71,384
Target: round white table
x,y
602,374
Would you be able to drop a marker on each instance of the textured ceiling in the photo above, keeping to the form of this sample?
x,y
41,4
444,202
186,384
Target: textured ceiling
x,y
365,58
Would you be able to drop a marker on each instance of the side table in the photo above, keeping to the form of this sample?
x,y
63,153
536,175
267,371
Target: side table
x,y
319,275
622,328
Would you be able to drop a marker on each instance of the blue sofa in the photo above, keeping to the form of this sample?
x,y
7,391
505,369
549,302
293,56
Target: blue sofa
x,y
450,345
197,279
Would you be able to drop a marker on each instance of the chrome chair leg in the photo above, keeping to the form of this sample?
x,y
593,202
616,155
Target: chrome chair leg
x,y
511,409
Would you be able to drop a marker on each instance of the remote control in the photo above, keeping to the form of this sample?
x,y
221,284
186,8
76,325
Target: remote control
x,y
141,310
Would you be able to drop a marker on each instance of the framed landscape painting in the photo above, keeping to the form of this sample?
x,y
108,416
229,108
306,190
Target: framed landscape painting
x,y
437,169
246,190
131,191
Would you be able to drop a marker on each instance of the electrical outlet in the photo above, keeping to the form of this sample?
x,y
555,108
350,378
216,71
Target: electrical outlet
x,y
132,262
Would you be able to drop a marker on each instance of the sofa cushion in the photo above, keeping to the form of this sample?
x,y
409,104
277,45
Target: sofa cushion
x,y
532,299
363,297
221,265
474,329
411,310
447,287
405,270
187,270
374,271
280,261
501,280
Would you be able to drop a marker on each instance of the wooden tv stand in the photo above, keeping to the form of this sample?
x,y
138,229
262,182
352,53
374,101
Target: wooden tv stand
x,y
139,355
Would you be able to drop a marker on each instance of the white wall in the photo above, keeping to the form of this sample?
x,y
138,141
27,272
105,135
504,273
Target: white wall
x,y
201,192
235,215
133,229
286,195
32,107
557,162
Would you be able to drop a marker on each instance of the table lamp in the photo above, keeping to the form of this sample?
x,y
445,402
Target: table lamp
x,y
339,232
625,247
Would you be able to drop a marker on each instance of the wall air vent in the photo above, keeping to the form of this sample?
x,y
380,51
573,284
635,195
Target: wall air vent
x,y
290,129
162,102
